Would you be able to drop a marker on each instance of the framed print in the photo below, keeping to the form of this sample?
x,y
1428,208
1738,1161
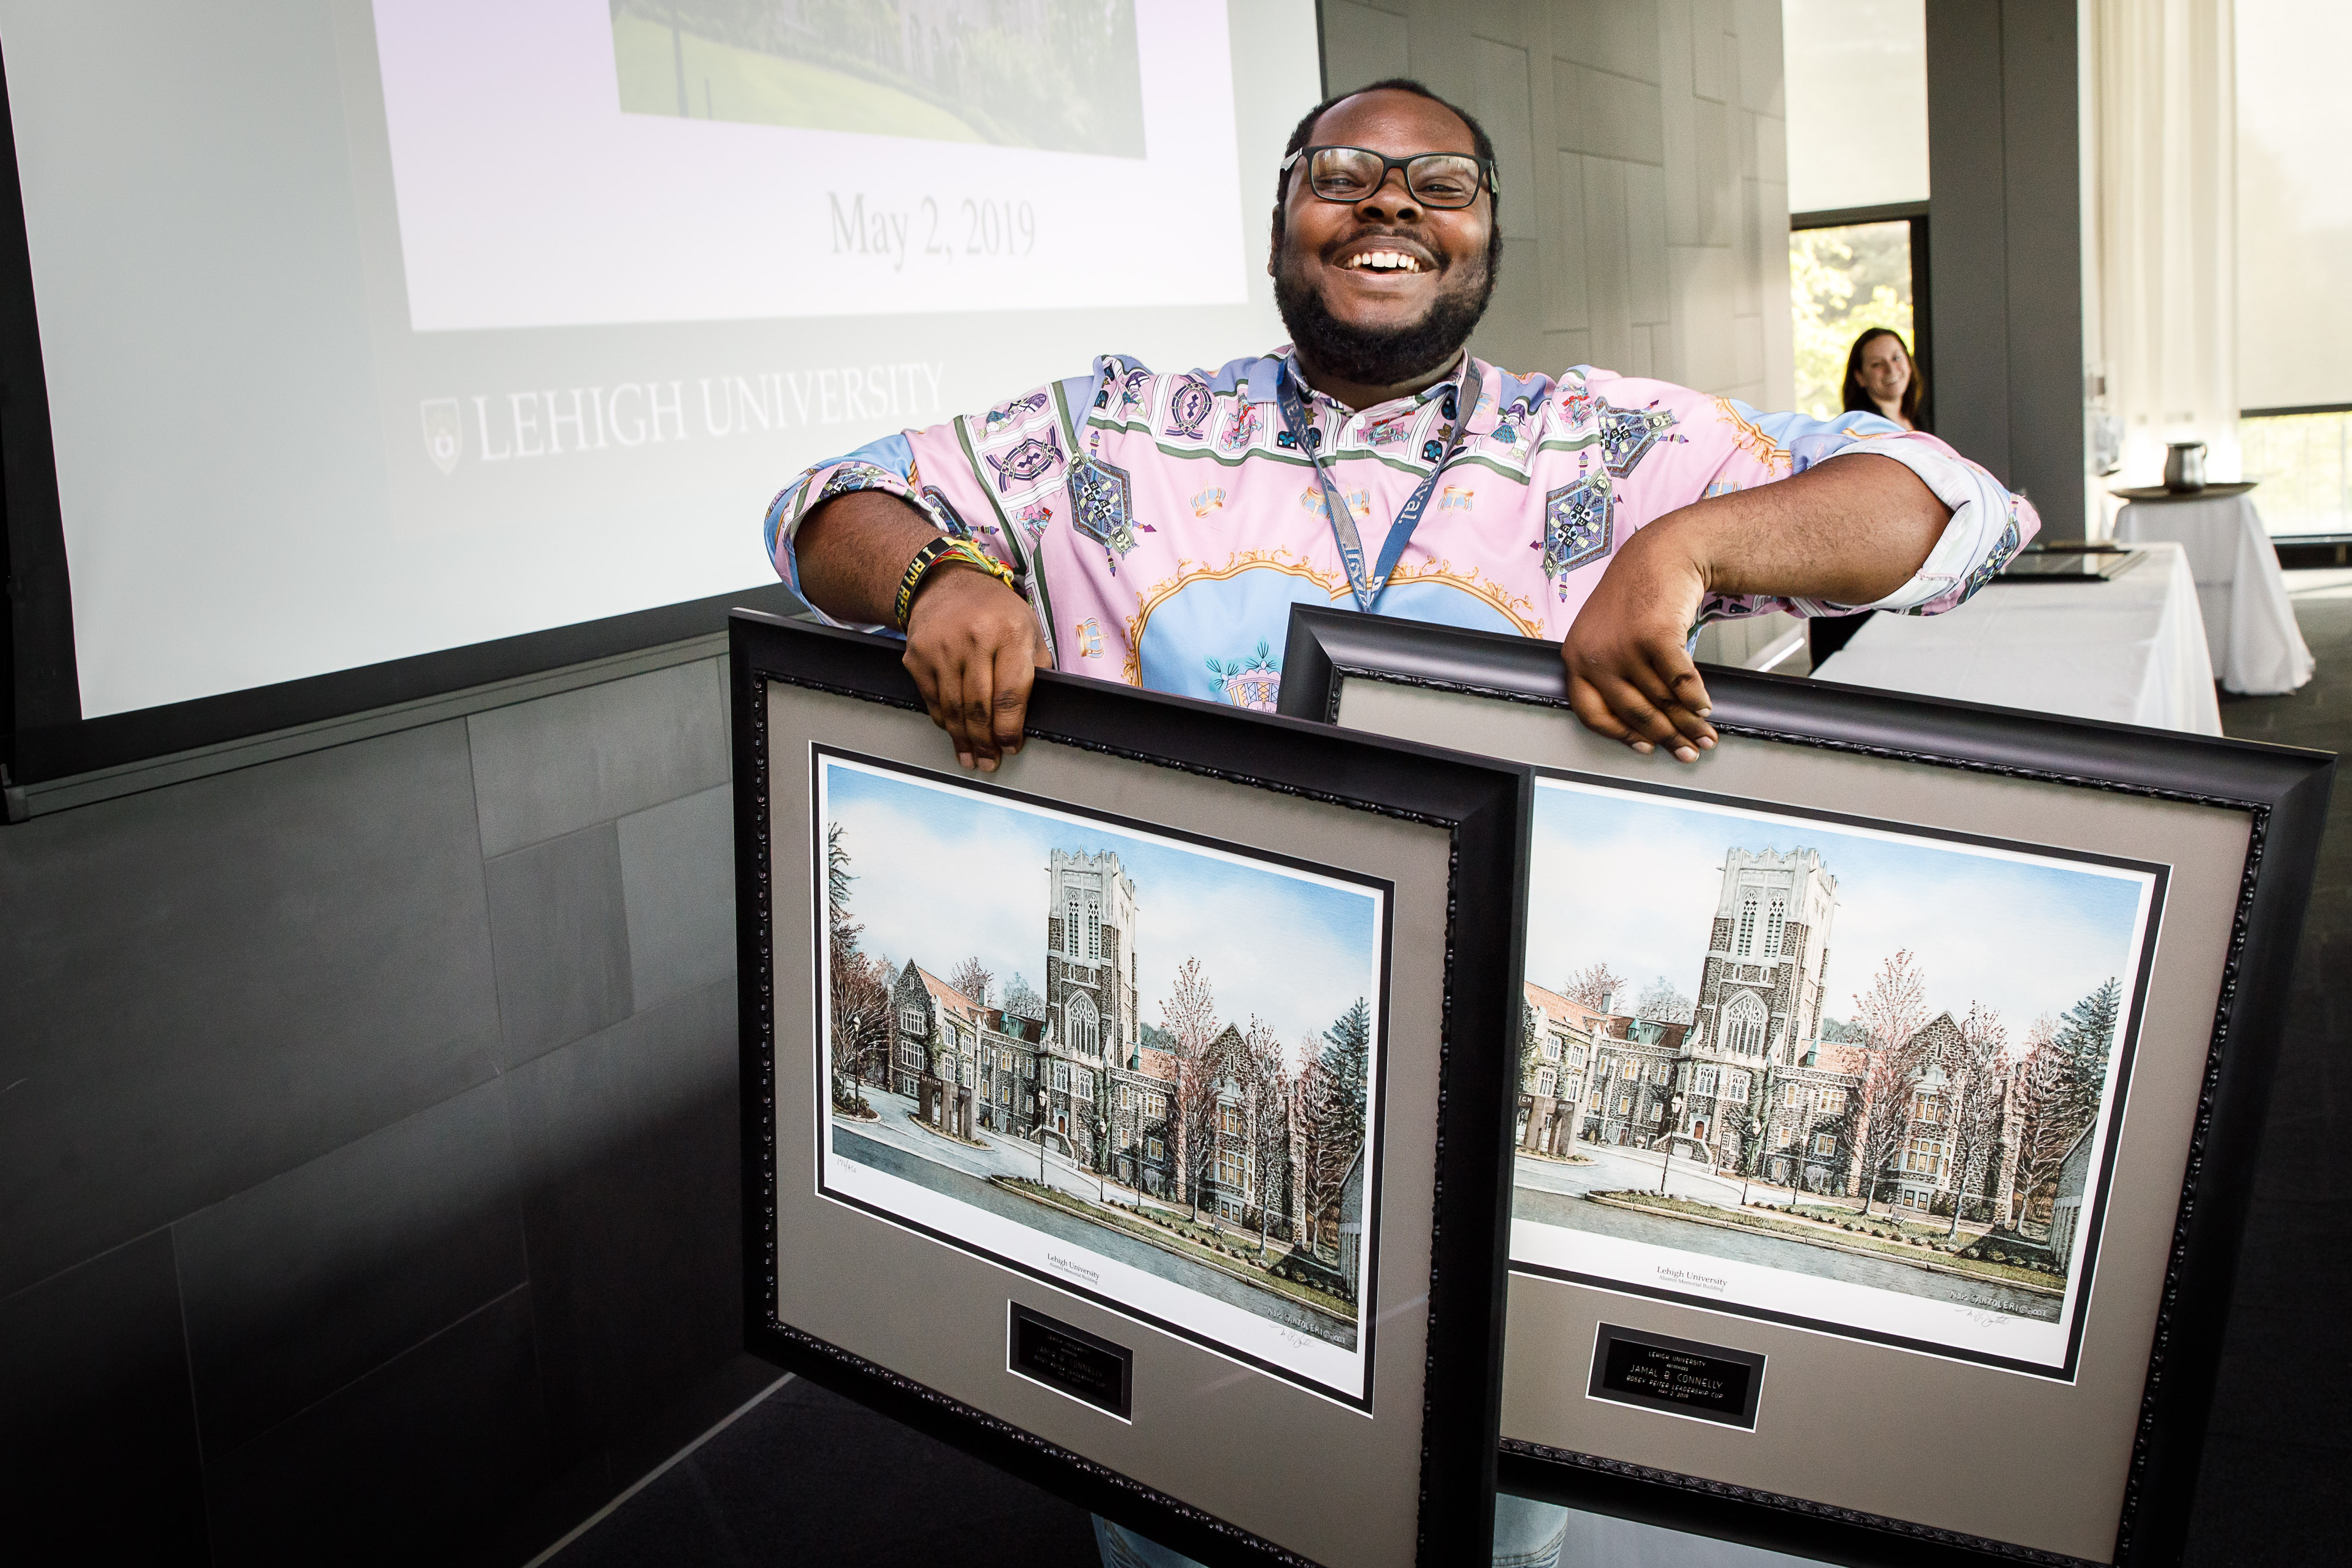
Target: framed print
x,y
1138,1116
1888,1087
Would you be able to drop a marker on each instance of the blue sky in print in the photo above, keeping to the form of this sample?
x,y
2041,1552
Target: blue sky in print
x,y
945,874
1633,881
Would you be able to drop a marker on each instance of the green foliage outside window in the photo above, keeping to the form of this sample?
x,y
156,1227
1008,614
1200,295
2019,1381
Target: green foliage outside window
x,y
1842,283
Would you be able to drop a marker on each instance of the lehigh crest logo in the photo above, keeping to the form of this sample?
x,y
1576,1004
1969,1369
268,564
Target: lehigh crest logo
x,y
445,433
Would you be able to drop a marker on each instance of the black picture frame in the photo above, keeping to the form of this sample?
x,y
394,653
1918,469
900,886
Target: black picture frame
x,y
1481,806
2282,793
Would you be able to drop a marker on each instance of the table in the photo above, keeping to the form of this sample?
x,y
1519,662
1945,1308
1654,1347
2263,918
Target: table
x,y
2250,630
2130,649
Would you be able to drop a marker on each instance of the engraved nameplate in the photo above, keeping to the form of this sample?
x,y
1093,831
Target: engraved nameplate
x,y
1679,1376
1071,1361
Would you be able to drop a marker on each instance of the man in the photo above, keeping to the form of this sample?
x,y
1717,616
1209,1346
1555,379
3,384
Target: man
x,y
1198,517
1157,528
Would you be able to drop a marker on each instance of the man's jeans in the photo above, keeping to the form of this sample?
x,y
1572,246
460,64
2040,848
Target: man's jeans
x,y
1526,1535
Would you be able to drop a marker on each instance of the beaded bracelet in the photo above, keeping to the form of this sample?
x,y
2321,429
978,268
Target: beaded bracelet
x,y
944,549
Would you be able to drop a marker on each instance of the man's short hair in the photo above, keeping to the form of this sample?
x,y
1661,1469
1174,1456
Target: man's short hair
x,y
1478,139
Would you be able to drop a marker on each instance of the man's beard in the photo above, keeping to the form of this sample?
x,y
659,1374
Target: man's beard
x,y
1380,356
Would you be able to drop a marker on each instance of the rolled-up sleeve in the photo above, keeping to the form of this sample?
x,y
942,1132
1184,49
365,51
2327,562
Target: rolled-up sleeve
x,y
887,464
1987,525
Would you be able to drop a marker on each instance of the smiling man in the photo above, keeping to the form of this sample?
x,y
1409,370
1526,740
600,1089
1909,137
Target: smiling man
x,y
1156,528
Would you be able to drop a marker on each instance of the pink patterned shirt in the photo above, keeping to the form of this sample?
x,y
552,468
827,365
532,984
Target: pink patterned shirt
x,y
1199,522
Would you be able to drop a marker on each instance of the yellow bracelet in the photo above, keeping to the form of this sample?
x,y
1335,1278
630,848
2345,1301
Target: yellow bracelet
x,y
944,549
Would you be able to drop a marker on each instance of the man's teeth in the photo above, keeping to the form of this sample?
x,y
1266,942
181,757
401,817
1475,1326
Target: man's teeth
x,y
1386,261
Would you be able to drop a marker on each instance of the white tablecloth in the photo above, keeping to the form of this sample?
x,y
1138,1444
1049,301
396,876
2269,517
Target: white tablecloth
x,y
2250,630
2130,649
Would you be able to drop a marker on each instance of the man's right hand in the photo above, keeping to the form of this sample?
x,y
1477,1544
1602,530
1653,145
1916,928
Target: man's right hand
x,y
972,643
974,649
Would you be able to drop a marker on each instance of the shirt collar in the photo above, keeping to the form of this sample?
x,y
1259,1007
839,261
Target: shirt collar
x,y
1286,357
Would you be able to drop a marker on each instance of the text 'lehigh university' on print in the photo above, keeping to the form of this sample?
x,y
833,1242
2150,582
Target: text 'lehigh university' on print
x,y
556,423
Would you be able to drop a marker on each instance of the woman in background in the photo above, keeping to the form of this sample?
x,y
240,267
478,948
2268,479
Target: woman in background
x,y
1881,378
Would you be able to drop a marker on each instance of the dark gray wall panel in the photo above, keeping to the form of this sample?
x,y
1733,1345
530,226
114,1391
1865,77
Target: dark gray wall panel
x,y
208,985
631,1205
560,928
98,1460
410,1465
559,764
2042,174
317,1277
1967,242
678,880
2005,247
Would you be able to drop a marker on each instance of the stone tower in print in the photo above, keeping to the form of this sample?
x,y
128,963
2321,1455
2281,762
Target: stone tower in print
x,y
1091,966
1759,994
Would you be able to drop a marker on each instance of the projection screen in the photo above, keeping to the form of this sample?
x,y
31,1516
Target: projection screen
x,y
374,330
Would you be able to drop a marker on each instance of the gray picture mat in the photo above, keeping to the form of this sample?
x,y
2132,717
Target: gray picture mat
x,y
1296,1469
2005,1455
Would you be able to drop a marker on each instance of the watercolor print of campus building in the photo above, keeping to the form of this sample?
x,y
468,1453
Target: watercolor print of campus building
x,y
1176,1119
1857,1077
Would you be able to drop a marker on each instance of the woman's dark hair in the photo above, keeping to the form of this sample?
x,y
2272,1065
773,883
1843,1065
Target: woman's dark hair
x,y
1483,144
1914,393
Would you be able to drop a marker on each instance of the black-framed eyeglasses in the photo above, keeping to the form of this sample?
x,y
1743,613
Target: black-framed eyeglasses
x,y
1433,179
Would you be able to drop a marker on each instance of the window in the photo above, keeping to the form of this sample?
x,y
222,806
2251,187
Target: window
x,y
2295,331
966,1076
1624,1104
1663,1073
1004,1094
1657,1114
1773,924
1843,281
1084,1084
911,1056
911,1020
1594,1104
1152,1149
1062,1076
1734,1084
906,1086
1703,1080
1926,1107
1073,918
1576,1056
1824,1145
1832,1102
1747,942
1229,1119
1743,1025
1544,1081
1783,1136
1923,1156
1229,1168
1094,932
1552,1045
1082,1024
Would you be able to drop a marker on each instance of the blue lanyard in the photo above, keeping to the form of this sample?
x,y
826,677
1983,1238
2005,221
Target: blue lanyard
x,y
1343,521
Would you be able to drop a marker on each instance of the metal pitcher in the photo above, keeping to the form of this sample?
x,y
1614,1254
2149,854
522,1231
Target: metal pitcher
x,y
2184,467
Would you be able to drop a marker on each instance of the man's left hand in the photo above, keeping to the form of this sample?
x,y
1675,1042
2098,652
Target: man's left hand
x,y
1629,674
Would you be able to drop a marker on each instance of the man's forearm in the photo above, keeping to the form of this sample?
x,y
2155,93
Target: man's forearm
x,y
1852,530
854,550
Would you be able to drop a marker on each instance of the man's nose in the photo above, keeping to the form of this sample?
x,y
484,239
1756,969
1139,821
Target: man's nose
x,y
1392,198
